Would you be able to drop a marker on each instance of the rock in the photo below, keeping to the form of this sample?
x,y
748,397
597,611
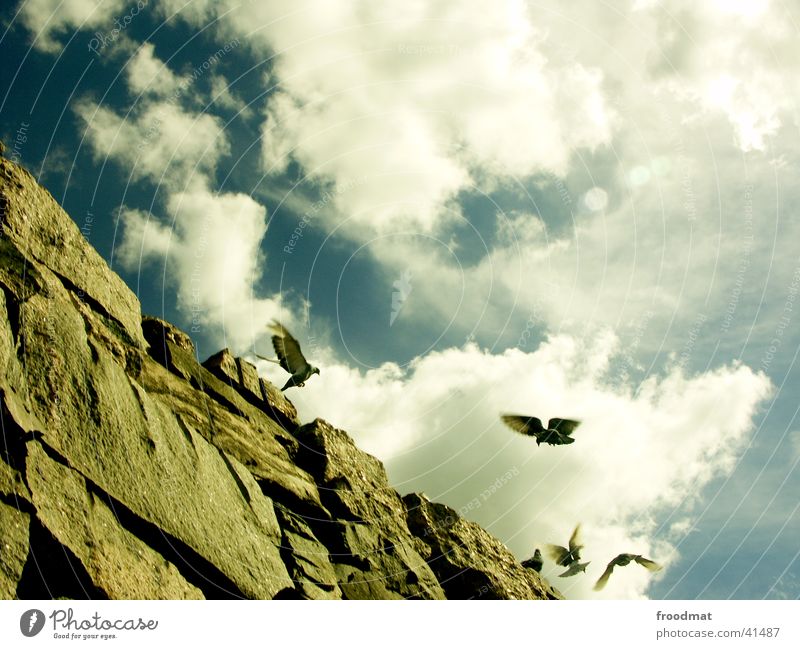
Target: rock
x,y
223,365
119,564
243,378
13,548
247,434
158,333
249,380
132,446
372,534
468,561
306,558
37,226
278,406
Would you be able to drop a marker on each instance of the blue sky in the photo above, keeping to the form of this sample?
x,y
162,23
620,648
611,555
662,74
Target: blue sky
x,y
579,211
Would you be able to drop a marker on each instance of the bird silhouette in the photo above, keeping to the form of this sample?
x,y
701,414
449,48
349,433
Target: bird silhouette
x,y
535,562
290,357
624,560
574,568
558,431
566,556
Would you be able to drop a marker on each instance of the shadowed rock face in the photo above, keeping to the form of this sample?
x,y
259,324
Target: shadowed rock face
x,y
130,470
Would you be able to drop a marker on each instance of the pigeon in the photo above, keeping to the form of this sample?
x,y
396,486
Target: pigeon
x,y
563,556
558,431
624,560
574,568
535,562
290,357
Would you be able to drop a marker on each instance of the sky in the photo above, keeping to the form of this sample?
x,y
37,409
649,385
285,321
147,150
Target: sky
x,y
582,209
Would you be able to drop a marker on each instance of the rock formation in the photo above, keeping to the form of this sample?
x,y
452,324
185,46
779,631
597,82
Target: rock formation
x,y
130,470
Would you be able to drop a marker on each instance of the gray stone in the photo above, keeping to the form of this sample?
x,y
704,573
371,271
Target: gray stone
x,y
14,526
372,534
120,564
239,429
306,558
35,223
468,561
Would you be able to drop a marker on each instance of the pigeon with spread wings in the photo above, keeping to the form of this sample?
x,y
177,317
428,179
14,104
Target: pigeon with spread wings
x,y
290,357
558,431
566,556
624,560
574,568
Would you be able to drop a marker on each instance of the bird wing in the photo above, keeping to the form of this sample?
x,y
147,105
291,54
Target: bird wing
x,y
563,426
574,540
652,566
525,425
287,349
574,568
570,571
557,553
601,583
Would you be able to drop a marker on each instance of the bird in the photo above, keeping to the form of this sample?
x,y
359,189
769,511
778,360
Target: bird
x,y
290,357
558,431
566,556
574,568
535,562
624,560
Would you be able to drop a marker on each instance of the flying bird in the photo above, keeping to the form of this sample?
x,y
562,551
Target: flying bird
x,y
566,556
535,562
624,560
290,357
574,568
558,431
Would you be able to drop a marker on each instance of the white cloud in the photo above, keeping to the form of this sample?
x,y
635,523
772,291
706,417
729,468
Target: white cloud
x,y
48,19
158,141
437,426
212,252
416,101
148,74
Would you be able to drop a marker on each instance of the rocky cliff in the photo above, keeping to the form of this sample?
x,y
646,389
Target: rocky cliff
x,y
128,469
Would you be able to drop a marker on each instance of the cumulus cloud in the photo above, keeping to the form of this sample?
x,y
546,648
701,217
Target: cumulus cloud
x,y
415,101
210,243
638,453
49,19
148,74
158,140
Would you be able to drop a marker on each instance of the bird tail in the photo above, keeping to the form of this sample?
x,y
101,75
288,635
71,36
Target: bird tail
x,y
271,360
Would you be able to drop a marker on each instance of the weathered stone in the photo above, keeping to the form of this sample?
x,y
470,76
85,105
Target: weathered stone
x,y
242,377
223,365
119,563
256,441
134,449
12,485
35,223
356,486
306,558
13,548
158,332
468,561
374,536
249,380
278,406
357,584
